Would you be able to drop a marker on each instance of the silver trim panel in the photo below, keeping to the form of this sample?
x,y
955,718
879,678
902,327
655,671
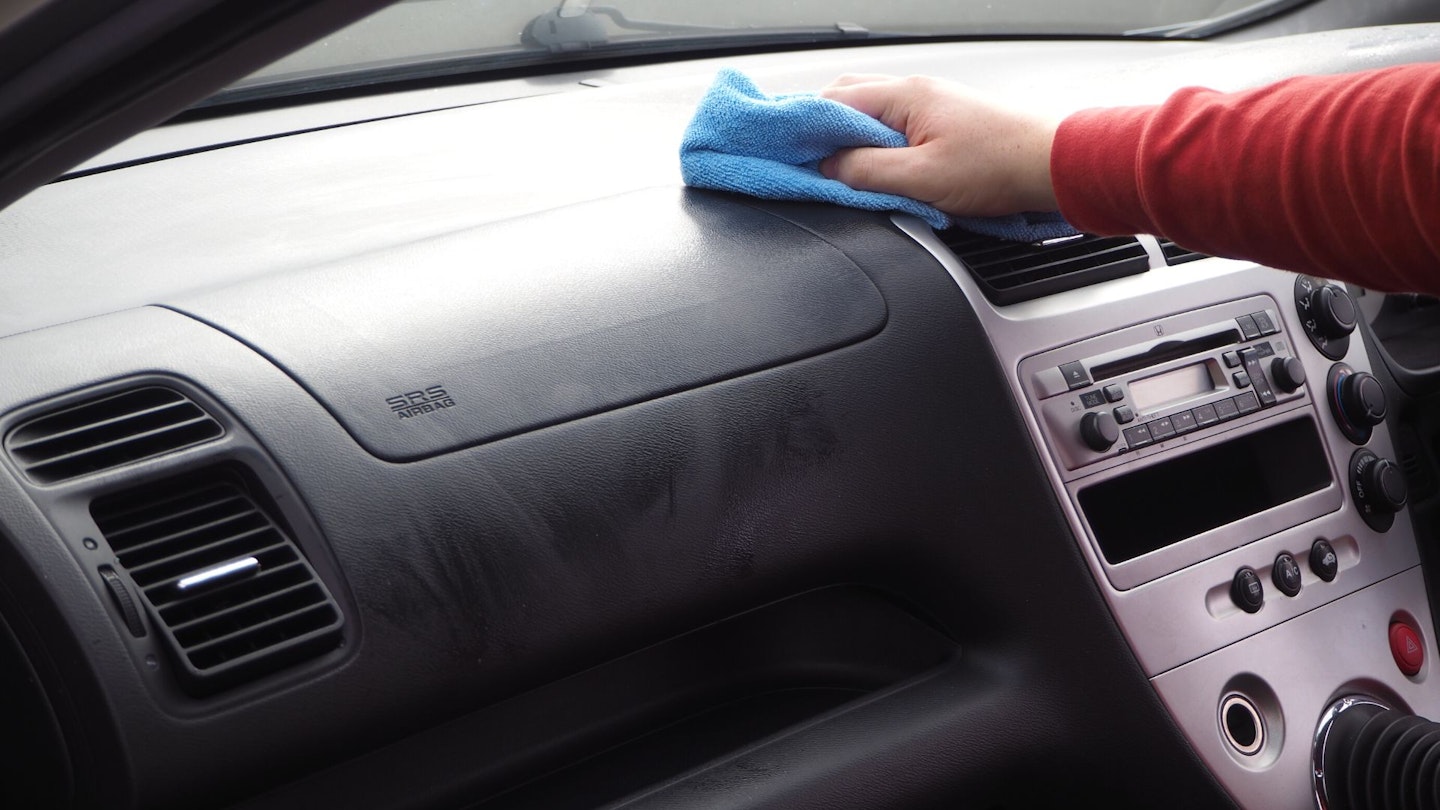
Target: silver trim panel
x,y
1308,649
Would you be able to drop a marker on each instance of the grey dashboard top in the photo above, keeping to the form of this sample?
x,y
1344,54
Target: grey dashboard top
x,y
151,232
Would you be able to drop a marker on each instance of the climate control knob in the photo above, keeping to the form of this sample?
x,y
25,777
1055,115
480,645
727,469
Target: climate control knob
x,y
1379,488
1099,431
1288,373
1327,313
1357,401
1333,311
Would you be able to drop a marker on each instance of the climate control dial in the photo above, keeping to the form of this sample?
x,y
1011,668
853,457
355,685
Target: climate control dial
x,y
1379,488
1357,401
1328,314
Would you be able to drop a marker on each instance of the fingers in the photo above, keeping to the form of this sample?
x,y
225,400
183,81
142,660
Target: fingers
x,y
888,170
883,100
857,78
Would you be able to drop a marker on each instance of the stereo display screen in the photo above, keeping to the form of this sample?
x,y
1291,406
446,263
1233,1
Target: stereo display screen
x,y
1186,382
1154,507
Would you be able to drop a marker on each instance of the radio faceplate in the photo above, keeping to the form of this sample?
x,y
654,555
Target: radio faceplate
x,y
1158,385
1118,408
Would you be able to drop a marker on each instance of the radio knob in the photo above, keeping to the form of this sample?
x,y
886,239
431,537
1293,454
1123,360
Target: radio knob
x,y
1363,399
1289,373
1099,431
1333,311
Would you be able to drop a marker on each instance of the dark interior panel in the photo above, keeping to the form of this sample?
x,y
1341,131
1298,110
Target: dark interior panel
x,y
486,579
506,328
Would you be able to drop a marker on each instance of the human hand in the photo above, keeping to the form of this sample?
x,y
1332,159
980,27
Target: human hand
x,y
968,155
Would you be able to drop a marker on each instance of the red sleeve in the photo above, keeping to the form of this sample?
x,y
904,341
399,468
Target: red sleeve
x,y
1333,175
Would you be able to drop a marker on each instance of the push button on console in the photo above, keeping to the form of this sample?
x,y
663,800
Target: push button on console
x,y
1138,437
1286,574
1323,560
1248,327
1124,414
1184,422
1246,590
1265,323
1247,402
1092,399
1161,429
1205,415
1114,393
1075,374
1226,409
1406,647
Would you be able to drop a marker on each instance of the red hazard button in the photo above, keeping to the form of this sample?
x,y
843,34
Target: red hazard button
x,y
1407,648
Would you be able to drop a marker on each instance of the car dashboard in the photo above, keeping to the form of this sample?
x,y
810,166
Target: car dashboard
x,y
437,449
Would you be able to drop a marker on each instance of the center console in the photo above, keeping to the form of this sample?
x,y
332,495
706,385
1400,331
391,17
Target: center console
x,y
1218,444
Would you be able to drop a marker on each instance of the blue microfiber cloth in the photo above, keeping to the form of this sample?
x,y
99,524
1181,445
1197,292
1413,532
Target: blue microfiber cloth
x,y
765,146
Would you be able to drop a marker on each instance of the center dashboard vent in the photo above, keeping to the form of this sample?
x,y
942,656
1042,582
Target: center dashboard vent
x,y
1174,254
1011,272
108,431
226,585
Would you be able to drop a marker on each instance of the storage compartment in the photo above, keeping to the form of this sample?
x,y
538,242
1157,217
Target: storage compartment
x,y
1156,506
636,721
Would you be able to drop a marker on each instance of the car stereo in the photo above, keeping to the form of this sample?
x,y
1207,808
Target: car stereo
x,y
1183,437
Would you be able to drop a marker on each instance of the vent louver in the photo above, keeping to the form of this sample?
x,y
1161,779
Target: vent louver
x,y
226,586
1011,272
108,432
1174,254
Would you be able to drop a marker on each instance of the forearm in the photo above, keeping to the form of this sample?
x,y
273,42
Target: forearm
x,y
1333,175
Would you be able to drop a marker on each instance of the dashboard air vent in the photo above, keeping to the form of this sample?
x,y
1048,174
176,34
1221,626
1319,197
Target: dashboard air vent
x,y
1174,254
227,587
1011,272
108,431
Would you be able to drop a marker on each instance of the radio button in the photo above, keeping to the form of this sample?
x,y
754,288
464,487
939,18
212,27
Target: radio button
x,y
1092,399
1124,414
1286,574
1248,328
1205,416
1161,429
1262,320
1184,422
1114,393
1247,402
1242,380
1226,409
1075,374
1263,349
1138,437
1231,359
1256,375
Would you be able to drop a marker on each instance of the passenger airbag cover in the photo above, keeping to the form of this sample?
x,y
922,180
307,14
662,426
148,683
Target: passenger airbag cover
x,y
498,330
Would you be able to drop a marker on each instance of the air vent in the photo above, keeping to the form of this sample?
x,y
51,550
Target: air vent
x,y
1010,272
107,432
225,584
1174,254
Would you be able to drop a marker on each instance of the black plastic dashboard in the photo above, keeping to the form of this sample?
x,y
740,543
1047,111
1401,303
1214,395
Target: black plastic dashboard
x,y
629,494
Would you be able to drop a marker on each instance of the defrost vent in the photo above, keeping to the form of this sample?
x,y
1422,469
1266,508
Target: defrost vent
x,y
1011,272
226,586
1174,254
108,431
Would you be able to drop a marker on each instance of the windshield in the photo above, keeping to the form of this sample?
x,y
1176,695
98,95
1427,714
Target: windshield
x,y
415,39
